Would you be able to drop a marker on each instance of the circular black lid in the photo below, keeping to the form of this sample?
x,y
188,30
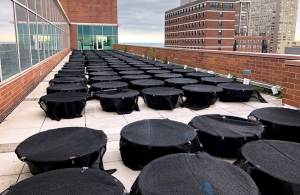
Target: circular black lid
x,y
96,67
116,94
69,181
281,116
158,132
147,82
120,66
217,80
105,78
60,144
192,174
158,71
136,77
109,85
64,80
65,97
72,74
142,65
67,87
136,72
126,69
199,74
202,88
182,81
171,67
279,159
71,70
237,87
183,70
227,126
150,68
168,75
99,70
106,73
74,67
161,91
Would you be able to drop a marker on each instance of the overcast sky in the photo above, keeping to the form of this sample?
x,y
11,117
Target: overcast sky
x,y
142,21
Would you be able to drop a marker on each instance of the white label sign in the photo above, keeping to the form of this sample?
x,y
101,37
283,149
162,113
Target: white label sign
x,y
197,69
229,76
210,72
168,62
147,57
274,90
246,81
290,107
155,59
185,66
143,56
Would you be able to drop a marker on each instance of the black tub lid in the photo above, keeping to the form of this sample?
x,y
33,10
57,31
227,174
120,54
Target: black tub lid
x,y
202,88
149,132
227,126
162,91
147,82
281,116
60,144
182,81
237,87
69,181
192,174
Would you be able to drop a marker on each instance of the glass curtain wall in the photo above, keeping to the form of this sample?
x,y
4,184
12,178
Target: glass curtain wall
x,y
31,31
97,37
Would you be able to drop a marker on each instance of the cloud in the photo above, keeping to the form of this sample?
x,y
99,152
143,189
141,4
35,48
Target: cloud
x,y
143,21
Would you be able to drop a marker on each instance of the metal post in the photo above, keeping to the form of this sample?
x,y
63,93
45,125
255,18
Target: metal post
x,y
17,36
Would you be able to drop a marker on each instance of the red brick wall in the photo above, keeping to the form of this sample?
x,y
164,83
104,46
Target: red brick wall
x,y
91,11
291,85
267,68
12,93
74,37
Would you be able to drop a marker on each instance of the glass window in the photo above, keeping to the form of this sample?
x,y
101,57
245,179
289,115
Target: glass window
x,y
97,30
8,54
88,30
107,30
80,31
39,7
40,38
115,30
33,38
24,2
80,42
88,42
31,5
46,39
23,37
44,8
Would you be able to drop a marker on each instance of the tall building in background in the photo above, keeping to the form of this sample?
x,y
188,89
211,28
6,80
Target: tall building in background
x,y
94,24
183,2
206,25
274,18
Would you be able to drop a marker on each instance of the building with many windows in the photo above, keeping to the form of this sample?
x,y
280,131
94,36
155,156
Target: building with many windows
x,y
288,44
274,18
255,44
206,24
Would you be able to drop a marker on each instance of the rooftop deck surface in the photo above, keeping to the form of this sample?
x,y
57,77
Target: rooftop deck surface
x,y
28,119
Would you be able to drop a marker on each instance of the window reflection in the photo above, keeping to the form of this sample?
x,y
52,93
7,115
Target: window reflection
x,y
8,54
23,37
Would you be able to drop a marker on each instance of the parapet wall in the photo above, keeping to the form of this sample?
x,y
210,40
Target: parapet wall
x,y
267,68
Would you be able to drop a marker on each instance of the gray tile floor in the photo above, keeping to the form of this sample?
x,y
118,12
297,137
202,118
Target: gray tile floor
x,y
28,119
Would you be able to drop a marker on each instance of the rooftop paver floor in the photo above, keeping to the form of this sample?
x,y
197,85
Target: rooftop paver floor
x,y
28,119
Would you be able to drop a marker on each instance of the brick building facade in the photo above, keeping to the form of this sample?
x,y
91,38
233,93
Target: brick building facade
x,y
93,22
205,25
255,44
